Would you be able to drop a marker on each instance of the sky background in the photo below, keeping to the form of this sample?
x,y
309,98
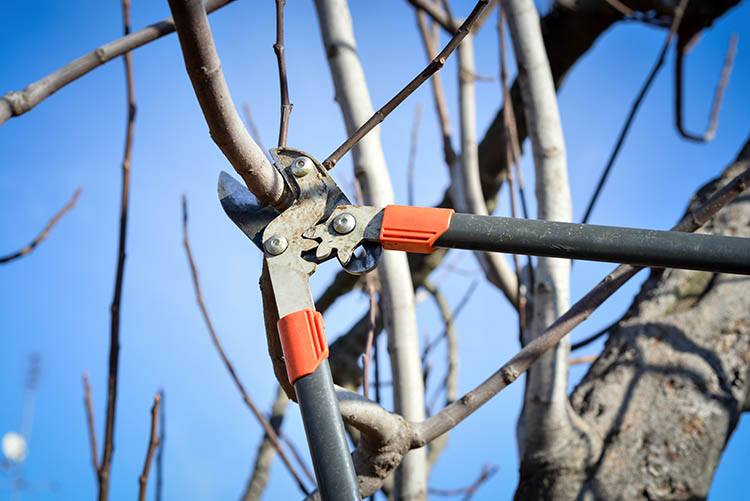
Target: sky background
x,y
56,301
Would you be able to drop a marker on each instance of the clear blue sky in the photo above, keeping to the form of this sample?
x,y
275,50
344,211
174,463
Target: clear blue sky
x,y
56,302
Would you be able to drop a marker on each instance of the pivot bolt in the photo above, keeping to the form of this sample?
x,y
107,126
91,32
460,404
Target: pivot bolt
x,y
276,245
302,166
344,223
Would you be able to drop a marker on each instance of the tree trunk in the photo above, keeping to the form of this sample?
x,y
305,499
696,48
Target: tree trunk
x,y
667,391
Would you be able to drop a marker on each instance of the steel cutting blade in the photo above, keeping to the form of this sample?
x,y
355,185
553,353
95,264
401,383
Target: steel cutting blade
x,y
244,209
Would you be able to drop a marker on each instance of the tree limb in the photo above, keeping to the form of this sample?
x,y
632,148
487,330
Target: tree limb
x,y
153,443
16,103
29,248
204,68
278,48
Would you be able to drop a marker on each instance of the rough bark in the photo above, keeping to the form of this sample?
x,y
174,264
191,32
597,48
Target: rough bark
x,y
397,291
666,393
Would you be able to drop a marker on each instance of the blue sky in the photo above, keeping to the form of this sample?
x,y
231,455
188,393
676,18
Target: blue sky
x,y
56,301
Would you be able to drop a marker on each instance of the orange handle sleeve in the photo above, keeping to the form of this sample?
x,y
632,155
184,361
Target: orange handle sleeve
x,y
303,341
413,229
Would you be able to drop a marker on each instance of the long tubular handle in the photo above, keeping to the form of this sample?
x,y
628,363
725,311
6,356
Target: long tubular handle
x,y
652,248
334,470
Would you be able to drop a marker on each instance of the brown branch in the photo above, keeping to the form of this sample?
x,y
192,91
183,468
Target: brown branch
x,y
435,65
583,360
590,339
278,48
412,164
713,120
89,407
228,363
469,491
114,341
437,14
430,40
679,11
204,68
160,452
453,414
153,443
28,249
16,103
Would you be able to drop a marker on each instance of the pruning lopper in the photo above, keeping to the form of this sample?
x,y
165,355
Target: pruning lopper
x,y
322,223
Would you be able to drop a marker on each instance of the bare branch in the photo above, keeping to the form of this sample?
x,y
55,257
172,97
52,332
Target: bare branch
x,y
453,414
278,48
16,103
153,443
227,363
726,71
435,65
29,248
436,13
266,451
373,314
204,68
583,360
469,491
160,452
679,11
89,407
114,341
412,163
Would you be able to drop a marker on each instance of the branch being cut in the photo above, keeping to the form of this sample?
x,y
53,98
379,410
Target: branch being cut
x,y
28,249
726,71
16,103
225,359
204,68
153,443
435,65
371,170
114,329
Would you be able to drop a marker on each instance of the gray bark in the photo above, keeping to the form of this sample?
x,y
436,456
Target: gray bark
x,y
668,390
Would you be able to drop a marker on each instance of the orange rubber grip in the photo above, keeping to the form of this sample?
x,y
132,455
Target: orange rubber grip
x,y
413,229
303,341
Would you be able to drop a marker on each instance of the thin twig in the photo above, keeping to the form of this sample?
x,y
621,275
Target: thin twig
x,y
713,120
437,14
89,407
590,339
459,410
28,249
435,65
679,11
586,359
430,39
160,452
278,48
16,103
254,132
411,166
114,341
153,443
227,363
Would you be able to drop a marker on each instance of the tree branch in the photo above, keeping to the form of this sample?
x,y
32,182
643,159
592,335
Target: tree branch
x,y
29,248
114,341
278,48
16,103
89,407
222,354
204,68
153,443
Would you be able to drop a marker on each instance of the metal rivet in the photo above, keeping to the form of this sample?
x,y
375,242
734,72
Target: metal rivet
x,y
344,223
276,245
302,166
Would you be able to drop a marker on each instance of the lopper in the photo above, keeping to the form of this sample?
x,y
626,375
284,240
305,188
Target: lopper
x,y
322,223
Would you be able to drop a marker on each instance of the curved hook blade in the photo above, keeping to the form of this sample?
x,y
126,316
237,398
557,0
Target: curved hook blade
x,y
244,209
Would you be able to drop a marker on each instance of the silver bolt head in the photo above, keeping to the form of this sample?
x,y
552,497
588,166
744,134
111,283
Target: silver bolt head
x,y
276,245
344,223
302,166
